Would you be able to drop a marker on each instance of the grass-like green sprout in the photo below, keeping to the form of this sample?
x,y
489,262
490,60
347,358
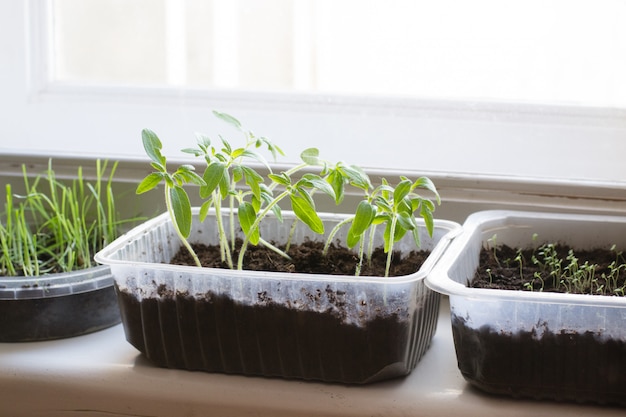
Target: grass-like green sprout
x,y
56,226
229,180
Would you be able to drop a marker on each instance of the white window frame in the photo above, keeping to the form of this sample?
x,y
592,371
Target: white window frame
x,y
479,139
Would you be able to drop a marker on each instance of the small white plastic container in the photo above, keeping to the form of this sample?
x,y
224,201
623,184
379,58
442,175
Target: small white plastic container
x,y
331,328
535,344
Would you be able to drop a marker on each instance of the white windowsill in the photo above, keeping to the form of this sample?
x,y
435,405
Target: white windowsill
x,y
101,374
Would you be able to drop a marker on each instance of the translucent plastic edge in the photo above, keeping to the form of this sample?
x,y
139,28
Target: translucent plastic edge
x,y
104,256
439,279
55,285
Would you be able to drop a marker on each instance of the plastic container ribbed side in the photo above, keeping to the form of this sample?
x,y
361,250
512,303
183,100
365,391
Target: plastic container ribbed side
x,y
330,328
536,344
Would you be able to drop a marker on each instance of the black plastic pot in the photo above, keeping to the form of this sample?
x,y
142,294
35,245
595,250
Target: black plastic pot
x,y
57,306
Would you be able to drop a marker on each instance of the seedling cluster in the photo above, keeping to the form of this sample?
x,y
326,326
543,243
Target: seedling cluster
x,y
54,226
561,269
230,180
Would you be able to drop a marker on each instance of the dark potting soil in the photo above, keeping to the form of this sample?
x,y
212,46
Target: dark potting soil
x,y
558,364
308,258
501,271
214,333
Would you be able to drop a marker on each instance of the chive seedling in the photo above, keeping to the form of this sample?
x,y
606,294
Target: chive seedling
x,y
56,226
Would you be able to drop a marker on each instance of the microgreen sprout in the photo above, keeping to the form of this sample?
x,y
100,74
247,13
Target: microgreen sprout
x,y
492,241
565,270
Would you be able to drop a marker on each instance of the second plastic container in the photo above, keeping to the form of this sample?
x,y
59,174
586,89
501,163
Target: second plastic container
x,y
535,344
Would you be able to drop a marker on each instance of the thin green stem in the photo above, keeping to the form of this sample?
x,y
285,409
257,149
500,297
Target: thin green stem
x,y
255,225
333,232
392,230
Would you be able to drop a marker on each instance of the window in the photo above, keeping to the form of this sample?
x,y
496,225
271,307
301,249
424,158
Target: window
x,y
555,51
484,87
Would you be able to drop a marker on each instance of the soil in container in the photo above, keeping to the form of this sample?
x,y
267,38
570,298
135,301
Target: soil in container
x,y
215,333
541,363
46,318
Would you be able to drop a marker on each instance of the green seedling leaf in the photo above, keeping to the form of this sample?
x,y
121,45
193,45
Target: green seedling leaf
x,y
352,239
228,119
337,181
416,236
256,203
318,183
304,209
404,206
148,183
182,210
157,167
402,190
212,176
228,150
253,179
356,176
203,141
310,156
426,183
256,156
388,242
399,233
237,153
381,218
267,197
187,173
192,151
427,215
204,210
225,184
281,179
152,145
383,203
247,216
275,150
365,213
406,221
237,173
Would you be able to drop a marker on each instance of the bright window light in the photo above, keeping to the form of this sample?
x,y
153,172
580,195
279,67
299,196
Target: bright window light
x,y
541,51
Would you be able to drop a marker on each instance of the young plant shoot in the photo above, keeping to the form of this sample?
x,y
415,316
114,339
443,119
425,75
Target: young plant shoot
x,y
229,180
549,267
393,207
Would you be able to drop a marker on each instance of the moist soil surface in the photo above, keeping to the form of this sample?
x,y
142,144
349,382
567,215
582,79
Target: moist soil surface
x,y
308,258
501,271
558,365
212,332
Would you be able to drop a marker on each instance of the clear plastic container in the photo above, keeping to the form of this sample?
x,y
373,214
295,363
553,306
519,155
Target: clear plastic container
x,y
56,306
535,344
331,328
